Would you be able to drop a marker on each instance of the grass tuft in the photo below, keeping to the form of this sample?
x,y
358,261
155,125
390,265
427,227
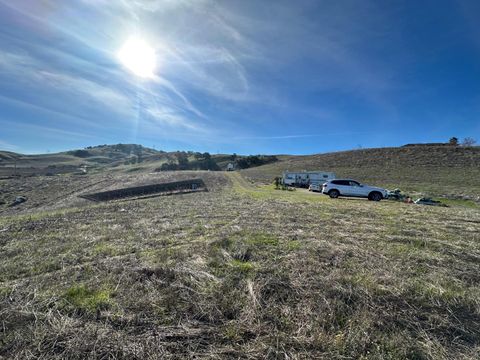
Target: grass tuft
x,y
80,297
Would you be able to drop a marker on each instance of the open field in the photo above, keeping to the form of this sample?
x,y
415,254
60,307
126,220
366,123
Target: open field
x,y
58,192
241,271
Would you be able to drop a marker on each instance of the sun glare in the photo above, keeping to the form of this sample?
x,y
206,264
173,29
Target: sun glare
x,y
138,57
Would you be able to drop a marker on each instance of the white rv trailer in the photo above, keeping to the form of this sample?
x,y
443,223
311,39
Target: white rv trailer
x,y
305,178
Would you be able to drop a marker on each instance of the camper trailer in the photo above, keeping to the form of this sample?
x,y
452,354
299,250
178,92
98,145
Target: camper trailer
x,y
305,178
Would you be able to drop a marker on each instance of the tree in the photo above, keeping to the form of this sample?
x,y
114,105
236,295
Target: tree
x,y
80,153
469,141
453,141
206,156
168,166
182,161
233,157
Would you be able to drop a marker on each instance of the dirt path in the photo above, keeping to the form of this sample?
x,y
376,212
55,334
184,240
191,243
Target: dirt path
x,y
239,181
243,186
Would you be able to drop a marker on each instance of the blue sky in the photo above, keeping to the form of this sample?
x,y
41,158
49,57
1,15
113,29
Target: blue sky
x,y
239,76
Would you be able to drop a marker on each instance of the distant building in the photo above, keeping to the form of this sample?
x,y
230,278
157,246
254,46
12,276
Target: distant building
x,y
230,167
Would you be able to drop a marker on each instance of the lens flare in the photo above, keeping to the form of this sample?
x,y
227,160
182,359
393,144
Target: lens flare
x,y
138,57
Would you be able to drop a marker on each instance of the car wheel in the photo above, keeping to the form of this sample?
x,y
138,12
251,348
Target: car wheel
x,y
333,194
375,196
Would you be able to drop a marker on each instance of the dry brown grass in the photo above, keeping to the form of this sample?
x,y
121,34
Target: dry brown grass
x,y
241,272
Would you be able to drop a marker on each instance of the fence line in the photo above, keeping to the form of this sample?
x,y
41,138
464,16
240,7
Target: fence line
x,y
162,188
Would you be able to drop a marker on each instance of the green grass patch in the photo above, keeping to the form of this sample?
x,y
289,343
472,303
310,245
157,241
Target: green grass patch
x,y
47,266
105,249
460,202
80,297
261,239
444,291
293,245
244,267
265,192
5,291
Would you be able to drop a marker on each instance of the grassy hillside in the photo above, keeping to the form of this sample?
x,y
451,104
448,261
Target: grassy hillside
x,y
121,157
97,157
440,171
433,170
242,271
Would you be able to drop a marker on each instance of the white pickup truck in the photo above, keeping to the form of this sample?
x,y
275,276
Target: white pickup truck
x,y
352,188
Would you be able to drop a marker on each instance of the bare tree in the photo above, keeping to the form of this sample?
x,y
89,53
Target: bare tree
x,y
469,141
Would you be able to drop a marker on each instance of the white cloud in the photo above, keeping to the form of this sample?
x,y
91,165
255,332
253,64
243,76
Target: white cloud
x,y
4,145
165,116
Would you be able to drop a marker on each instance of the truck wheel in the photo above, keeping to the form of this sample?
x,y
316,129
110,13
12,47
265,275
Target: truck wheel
x,y
375,196
333,194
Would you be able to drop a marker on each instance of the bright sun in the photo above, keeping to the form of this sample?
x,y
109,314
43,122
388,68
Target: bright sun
x,y
138,57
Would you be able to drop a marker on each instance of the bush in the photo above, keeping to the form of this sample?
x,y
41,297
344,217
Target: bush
x,y
80,153
255,160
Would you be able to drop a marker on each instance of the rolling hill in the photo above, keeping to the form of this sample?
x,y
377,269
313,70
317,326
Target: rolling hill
x,y
450,171
128,157
445,171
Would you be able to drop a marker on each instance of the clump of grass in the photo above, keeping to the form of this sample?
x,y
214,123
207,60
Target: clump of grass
x,y
244,267
4,291
442,291
293,245
80,297
105,249
261,239
47,266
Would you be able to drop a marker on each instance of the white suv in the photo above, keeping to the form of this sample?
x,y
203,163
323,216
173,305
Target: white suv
x,y
341,187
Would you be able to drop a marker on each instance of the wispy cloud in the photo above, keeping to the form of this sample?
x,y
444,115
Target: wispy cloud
x,y
165,116
300,136
45,131
4,145
29,70
89,93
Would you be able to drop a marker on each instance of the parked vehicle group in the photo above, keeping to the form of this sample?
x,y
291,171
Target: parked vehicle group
x,y
327,183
